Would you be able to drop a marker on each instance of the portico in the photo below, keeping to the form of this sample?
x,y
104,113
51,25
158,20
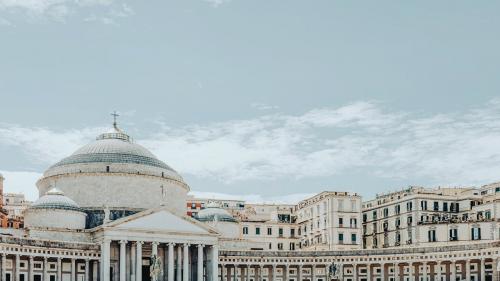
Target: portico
x,y
186,249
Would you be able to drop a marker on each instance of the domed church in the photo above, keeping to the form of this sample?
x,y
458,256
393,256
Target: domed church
x,y
110,211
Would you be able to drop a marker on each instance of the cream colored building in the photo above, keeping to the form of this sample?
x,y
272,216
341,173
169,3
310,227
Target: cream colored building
x,y
330,221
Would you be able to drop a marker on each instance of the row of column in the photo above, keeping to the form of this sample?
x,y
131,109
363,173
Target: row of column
x,y
435,273
45,272
228,272
171,271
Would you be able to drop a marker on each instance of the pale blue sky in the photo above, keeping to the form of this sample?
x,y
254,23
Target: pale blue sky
x,y
259,97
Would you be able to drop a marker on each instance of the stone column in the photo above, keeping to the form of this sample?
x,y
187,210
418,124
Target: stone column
x,y
179,263
285,273
369,272
185,268
313,273
247,273
424,270
123,256
260,272
105,255
171,268
300,272
453,271
482,270
133,255
45,269
4,260
355,272
30,268
200,263
437,270
396,271
138,261
87,270
274,271
73,270
382,271
16,275
59,269
467,269
215,262
412,271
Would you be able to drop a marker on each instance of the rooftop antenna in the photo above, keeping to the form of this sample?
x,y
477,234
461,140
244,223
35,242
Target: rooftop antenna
x,y
115,115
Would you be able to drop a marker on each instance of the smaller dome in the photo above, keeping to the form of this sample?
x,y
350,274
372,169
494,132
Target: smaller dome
x,y
55,199
213,212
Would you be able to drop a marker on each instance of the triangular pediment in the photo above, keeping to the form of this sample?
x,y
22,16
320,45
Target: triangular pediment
x,y
160,220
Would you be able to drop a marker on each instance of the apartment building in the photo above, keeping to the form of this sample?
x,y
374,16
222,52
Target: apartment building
x,y
420,216
329,221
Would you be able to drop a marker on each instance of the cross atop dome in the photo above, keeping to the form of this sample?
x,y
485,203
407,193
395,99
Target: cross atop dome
x,y
115,115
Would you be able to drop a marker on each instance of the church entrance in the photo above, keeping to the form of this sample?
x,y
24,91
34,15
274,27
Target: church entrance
x,y
145,273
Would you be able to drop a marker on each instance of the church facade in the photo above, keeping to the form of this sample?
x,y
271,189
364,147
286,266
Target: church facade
x,y
112,211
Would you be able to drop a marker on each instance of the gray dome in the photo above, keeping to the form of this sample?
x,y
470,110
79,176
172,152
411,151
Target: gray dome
x,y
213,212
115,147
55,199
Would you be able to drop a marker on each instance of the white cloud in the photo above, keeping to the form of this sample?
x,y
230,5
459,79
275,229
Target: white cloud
x,y
253,198
60,10
217,3
263,106
459,148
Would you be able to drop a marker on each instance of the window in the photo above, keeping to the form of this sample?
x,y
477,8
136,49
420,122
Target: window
x,y
397,209
374,214
107,169
409,220
341,238
476,233
280,246
269,231
431,235
280,232
341,222
398,222
453,234
292,232
364,218
245,230
354,222
257,231
436,206
292,246
353,238
445,206
409,206
487,215
386,212
423,205
497,189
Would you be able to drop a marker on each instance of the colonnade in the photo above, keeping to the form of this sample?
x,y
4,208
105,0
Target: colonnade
x,y
179,261
42,268
478,269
